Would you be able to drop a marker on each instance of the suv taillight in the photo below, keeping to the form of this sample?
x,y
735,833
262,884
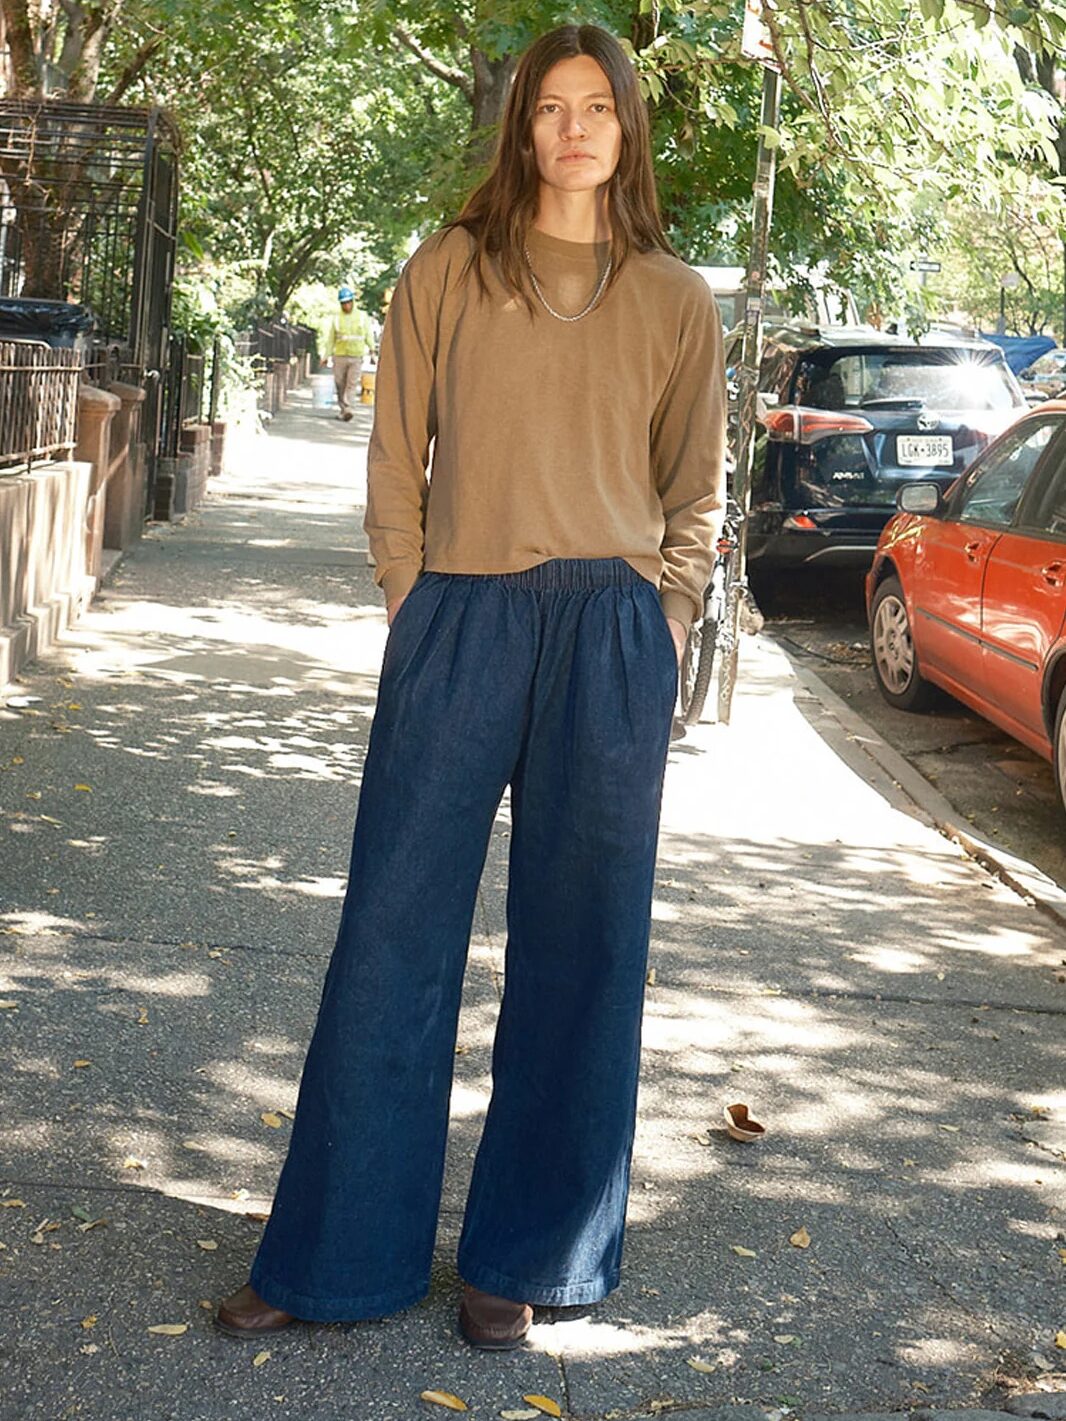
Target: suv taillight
x,y
794,424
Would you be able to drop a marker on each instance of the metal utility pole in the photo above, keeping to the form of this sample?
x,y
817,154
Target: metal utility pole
x,y
751,358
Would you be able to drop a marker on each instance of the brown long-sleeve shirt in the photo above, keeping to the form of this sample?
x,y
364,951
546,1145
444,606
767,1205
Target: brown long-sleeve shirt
x,y
603,437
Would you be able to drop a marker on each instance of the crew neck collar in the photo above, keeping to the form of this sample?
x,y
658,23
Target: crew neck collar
x,y
539,241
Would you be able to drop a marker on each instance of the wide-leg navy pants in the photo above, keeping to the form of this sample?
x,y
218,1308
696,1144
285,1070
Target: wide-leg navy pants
x,y
559,681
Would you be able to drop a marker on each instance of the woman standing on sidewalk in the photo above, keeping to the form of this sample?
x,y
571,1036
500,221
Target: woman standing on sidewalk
x,y
539,592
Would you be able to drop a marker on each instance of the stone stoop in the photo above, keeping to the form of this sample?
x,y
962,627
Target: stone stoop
x,y
46,548
181,481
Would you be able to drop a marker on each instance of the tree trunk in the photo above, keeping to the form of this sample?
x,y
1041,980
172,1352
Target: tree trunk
x,y
492,81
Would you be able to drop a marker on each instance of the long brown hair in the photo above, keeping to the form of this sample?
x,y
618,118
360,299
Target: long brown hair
x,y
500,211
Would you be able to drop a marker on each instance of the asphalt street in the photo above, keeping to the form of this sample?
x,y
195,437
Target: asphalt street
x,y
177,788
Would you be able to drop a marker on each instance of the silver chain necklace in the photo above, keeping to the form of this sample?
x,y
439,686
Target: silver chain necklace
x,y
551,309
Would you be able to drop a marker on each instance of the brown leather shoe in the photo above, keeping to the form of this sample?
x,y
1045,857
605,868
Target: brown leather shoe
x,y
495,1324
245,1314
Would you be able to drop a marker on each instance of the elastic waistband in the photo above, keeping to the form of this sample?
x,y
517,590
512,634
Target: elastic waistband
x,y
560,575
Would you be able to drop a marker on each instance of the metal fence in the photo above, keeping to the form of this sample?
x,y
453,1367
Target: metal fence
x,y
88,212
38,402
276,340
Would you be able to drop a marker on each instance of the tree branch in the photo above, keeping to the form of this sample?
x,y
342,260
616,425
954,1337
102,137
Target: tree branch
x,y
448,72
134,69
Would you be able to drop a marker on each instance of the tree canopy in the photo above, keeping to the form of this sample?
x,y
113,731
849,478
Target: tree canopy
x,y
320,135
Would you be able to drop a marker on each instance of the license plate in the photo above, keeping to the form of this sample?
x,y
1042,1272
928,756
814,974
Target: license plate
x,y
924,449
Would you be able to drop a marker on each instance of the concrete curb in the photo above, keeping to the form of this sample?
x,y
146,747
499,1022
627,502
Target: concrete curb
x,y
1025,878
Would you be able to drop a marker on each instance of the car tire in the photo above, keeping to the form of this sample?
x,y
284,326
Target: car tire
x,y
1059,749
892,651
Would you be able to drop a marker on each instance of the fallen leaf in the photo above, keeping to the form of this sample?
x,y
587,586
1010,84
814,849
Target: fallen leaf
x,y
89,1321
90,1224
239,1194
258,1217
269,1118
33,794
699,1365
89,1349
519,1415
954,1129
18,1204
80,1065
742,1252
288,1114
650,979
16,759
142,1017
260,1358
1060,1340
208,1244
545,1404
1062,1254
9,1005
704,1139
132,1162
49,820
170,1329
800,1239
192,1145
445,1398
85,789
785,1338
909,1163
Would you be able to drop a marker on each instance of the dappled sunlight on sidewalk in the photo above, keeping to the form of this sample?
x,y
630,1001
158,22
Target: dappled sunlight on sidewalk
x,y
178,784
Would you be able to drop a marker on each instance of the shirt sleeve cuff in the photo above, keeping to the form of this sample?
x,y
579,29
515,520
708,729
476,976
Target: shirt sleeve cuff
x,y
398,581
678,606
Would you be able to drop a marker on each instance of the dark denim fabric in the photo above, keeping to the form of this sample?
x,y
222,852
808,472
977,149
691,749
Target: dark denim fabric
x,y
559,681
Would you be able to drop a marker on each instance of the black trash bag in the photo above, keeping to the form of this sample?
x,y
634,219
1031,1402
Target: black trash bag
x,y
59,323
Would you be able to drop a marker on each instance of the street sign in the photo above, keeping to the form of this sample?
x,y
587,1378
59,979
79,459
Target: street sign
x,y
755,42
924,264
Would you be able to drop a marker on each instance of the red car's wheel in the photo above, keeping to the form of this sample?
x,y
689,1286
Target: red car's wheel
x,y
892,650
1059,747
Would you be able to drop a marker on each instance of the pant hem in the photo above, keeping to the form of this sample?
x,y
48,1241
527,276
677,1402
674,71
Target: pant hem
x,y
318,1309
592,1290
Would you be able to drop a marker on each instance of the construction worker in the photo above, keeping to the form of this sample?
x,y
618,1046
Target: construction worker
x,y
348,340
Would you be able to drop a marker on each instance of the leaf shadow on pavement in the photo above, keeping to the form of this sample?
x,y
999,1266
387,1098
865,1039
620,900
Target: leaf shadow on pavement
x,y
890,1012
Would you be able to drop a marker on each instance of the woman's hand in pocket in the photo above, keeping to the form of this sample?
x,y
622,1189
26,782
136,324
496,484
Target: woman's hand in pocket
x,y
679,632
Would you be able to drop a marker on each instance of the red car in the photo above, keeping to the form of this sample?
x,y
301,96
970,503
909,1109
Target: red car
x,y
968,588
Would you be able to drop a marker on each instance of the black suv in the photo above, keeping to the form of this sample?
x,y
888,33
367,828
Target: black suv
x,y
847,415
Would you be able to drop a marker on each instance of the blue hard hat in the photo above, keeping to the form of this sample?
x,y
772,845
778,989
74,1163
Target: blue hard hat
x,y
346,294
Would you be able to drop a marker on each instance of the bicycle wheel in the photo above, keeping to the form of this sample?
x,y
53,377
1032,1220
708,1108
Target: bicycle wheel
x,y
702,667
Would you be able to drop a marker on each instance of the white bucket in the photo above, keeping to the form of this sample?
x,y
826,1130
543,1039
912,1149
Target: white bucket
x,y
323,392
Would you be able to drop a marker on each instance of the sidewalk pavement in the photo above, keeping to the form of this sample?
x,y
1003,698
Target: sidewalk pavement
x,y
177,788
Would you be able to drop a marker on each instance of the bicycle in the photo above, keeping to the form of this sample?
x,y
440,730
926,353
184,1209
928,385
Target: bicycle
x,y
712,640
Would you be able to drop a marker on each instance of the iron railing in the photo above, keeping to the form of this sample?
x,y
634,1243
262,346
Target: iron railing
x,y
38,402
88,212
275,340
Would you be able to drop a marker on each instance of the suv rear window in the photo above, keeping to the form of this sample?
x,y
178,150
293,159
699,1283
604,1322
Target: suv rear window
x,y
900,379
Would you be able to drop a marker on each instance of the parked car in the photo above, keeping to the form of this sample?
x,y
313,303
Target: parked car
x,y
821,302
1045,379
967,590
846,416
